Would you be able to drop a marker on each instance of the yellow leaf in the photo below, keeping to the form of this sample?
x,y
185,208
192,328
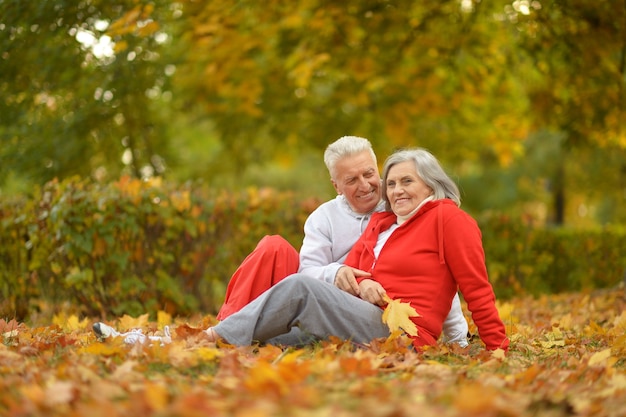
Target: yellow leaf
x,y
555,338
619,346
130,187
209,354
180,357
476,399
155,182
565,322
33,393
264,377
127,322
148,29
163,319
288,356
104,349
181,200
498,354
396,316
70,323
126,23
616,384
599,357
506,312
120,46
156,396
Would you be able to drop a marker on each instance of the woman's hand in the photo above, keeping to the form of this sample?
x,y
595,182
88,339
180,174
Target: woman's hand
x,y
371,291
346,279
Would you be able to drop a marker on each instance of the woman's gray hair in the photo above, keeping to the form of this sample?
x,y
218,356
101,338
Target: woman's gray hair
x,y
428,169
345,146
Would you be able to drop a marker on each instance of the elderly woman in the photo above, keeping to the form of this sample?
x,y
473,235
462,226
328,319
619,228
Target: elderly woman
x,y
422,252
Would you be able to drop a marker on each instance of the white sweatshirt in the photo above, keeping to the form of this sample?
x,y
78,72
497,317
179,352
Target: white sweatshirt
x,y
329,234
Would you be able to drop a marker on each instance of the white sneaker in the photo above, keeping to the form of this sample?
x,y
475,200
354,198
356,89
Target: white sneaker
x,y
132,337
137,336
103,330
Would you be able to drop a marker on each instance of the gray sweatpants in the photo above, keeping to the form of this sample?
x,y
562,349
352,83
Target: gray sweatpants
x,y
301,309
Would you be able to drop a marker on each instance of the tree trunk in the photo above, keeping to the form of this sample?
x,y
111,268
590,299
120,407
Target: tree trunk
x,y
557,216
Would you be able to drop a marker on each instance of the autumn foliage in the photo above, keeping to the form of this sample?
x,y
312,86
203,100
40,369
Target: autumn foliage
x,y
567,358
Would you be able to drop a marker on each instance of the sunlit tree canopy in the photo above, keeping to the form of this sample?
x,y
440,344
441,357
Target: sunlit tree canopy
x,y
251,92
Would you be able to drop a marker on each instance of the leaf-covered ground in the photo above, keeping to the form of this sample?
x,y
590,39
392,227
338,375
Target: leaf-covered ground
x,y
567,358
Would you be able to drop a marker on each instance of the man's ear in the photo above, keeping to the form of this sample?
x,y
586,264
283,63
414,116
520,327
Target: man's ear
x,y
334,183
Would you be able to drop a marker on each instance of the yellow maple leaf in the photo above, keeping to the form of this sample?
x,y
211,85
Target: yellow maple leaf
x,y
69,323
127,322
163,319
209,354
498,354
506,312
397,316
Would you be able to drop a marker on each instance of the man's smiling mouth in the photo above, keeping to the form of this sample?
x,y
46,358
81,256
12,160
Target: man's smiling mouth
x,y
368,195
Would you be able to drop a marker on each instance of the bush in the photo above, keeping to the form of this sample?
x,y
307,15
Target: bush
x,y
134,246
532,260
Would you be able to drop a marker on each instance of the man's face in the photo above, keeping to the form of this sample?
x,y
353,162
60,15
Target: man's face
x,y
357,178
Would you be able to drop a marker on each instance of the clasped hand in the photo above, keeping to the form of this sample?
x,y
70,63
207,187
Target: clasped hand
x,y
369,290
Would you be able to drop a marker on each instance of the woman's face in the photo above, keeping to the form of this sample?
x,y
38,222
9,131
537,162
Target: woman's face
x,y
405,189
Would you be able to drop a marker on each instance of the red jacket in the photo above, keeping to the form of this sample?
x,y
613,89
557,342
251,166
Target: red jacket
x,y
425,261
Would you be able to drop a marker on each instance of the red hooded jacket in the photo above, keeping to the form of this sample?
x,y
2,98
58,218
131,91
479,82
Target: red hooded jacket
x,y
425,261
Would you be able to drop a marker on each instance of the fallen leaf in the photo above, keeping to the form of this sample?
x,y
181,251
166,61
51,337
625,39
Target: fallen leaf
x,y
505,310
397,316
163,319
104,349
498,354
554,338
59,392
9,326
475,399
208,354
156,396
127,322
184,331
600,357
71,323
559,363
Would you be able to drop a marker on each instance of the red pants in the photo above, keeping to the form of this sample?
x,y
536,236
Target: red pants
x,y
272,260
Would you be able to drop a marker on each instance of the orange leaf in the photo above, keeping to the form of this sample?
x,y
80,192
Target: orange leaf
x,y
184,331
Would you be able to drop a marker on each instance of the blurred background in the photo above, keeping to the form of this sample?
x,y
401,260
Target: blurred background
x,y
522,101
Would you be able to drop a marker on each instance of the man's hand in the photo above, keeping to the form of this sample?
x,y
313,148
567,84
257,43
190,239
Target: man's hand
x,y
346,279
373,292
